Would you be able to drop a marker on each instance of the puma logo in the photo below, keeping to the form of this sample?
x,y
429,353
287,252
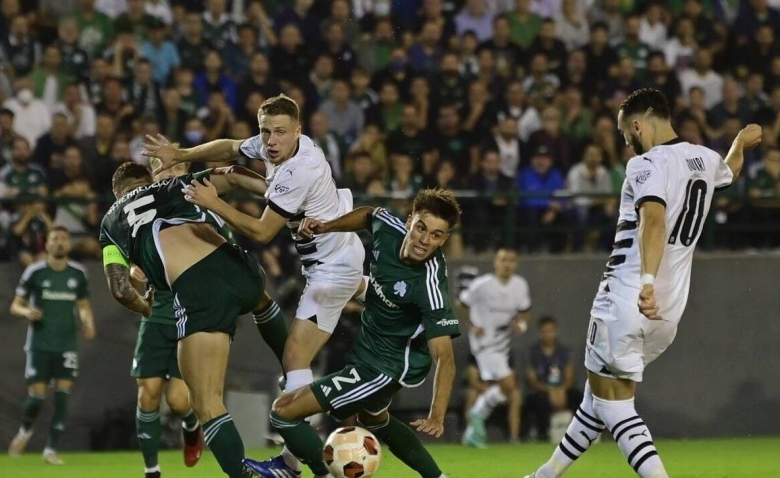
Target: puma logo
x,y
643,434
590,440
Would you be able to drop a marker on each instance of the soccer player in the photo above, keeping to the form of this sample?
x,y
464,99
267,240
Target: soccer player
x,y
498,304
299,184
178,247
407,321
665,198
53,295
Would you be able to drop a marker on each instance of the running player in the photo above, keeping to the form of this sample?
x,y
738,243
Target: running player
x,y
179,249
299,184
407,321
49,294
666,196
499,304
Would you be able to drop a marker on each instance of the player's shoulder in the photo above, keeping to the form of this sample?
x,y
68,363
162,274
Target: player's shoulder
x,y
33,268
388,221
482,281
519,281
308,153
78,267
6,171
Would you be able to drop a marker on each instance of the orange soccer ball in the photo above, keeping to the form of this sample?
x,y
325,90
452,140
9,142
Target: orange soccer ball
x,y
352,452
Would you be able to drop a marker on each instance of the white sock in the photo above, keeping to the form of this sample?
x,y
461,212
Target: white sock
x,y
49,451
154,469
298,379
583,430
489,400
632,436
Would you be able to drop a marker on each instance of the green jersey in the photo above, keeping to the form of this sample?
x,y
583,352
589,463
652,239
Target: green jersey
x,y
55,294
29,179
406,305
134,221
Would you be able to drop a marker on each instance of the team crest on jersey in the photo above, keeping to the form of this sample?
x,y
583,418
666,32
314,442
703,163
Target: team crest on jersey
x,y
72,283
400,288
642,177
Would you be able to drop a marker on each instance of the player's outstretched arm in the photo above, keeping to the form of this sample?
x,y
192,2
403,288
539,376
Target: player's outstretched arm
x,y
356,220
749,137
87,318
441,351
652,238
218,150
239,177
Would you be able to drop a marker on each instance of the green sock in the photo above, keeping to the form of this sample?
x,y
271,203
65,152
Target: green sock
x,y
58,420
190,421
301,439
148,430
32,407
225,443
272,327
404,444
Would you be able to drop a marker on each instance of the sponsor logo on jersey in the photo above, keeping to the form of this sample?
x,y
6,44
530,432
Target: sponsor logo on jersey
x,y
400,288
72,283
51,295
46,283
376,255
326,390
281,189
642,177
447,322
380,294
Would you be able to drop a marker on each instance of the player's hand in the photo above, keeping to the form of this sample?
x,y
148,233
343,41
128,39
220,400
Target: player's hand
x,y
33,314
149,299
430,426
89,333
159,147
647,305
519,326
309,227
479,332
750,136
137,274
201,194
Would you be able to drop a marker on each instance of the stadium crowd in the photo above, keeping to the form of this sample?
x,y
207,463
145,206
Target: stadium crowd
x,y
511,103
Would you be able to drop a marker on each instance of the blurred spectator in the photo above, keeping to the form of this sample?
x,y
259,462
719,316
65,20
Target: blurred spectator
x,y
732,106
112,8
340,14
652,29
476,17
445,177
680,48
571,25
77,210
20,49
419,95
290,57
29,226
402,183
389,111
344,115
703,76
547,44
450,140
148,127
524,24
97,154
397,70
370,141
299,15
50,149
320,133
344,58
239,56
433,11
608,13
249,113
135,19
173,116
49,80
764,193
362,94
476,112
425,54
214,78
589,177
320,80
622,85
600,56
95,28
143,92
258,78
31,117
91,84
193,43
160,10
409,138
75,60
80,114
260,22
632,46
373,52
706,33
469,63
20,176
183,80
550,377
113,104
194,133
362,174
661,78
551,137
161,52
7,135
540,85
516,106
449,86
757,55
123,54
539,212
489,211
576,76
751,16
576,118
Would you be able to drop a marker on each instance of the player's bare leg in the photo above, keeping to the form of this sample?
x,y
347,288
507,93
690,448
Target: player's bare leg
x,y
401,441
502,391
62,390
36,395
203,358
178,398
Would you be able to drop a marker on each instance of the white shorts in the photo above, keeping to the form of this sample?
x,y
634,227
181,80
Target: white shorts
x,y
330,285
493,366
621,341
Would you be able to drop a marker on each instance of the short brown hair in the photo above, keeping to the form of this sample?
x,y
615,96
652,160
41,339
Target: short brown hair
x,y
440,203
280,105
129,171
59,229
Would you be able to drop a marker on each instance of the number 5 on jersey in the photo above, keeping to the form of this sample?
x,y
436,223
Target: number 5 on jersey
x,y
138,220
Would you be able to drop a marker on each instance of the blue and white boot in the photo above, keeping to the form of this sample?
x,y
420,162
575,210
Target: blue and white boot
x,y
271,468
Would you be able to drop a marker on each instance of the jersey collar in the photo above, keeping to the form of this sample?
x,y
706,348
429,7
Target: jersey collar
x,y
676,140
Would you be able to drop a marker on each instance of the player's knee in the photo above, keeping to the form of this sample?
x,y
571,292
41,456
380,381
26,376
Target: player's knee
x,y
178,401
282,406
149,398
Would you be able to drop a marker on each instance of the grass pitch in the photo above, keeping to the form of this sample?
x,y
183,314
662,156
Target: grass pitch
x,y
728,458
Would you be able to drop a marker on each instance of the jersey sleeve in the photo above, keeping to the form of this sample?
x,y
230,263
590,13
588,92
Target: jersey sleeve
x,y
24,288
113,253
287,193
382,220
523,295
434,302
82,292
470,295
647,180
723,174
252,147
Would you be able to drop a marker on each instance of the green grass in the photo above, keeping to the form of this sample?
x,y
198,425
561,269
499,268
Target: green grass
x,y
754,458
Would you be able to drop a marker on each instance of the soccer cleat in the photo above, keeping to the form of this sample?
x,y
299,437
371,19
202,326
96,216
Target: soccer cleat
x,y
154,474
470,438
477,423
19,443
50,457
272,468
193,446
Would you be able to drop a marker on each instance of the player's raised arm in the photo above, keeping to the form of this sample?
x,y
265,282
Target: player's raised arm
x,y
441,351
355,220
169,154
748,137
117,272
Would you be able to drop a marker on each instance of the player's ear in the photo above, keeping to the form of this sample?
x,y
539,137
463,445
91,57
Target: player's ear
x,y
409,221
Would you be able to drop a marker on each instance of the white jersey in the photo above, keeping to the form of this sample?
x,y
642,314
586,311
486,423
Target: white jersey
x,y
492,306
302,187
683,177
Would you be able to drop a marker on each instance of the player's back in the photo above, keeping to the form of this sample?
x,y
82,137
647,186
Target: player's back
x,y
683,177
134,221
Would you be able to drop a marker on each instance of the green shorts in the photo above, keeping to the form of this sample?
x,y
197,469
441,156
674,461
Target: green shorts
x,y
353,389
210,295
155,352
47,366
